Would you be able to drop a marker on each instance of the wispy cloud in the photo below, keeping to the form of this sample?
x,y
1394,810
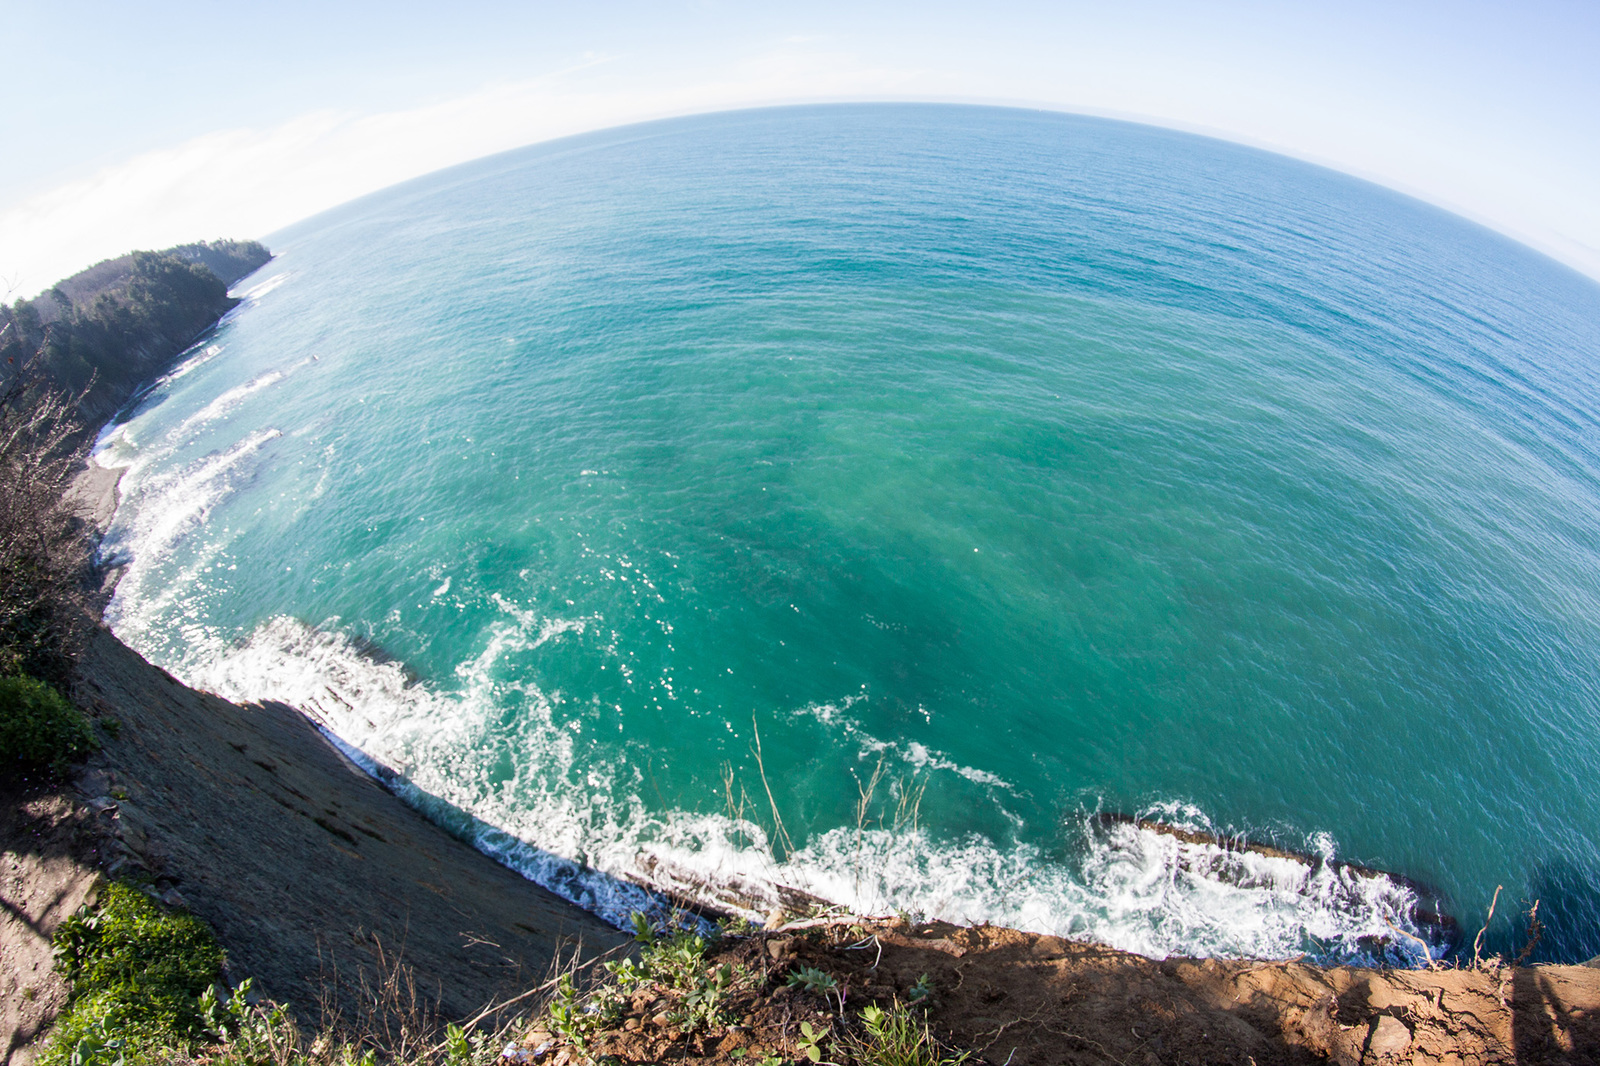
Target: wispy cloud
x,y
250,182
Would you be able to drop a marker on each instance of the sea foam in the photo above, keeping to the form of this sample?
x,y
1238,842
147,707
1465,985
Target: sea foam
x,y
578,832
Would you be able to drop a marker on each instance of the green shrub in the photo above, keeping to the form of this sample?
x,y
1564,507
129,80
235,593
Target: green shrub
x,y
39,729
138,973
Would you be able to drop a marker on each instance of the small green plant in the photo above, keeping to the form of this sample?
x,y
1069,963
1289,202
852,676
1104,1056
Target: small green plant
x,y
460,1047
246,1034
39,729
810,1043
894,1037
568,1019
922,992
627,974
702,1005
814,980
822,983
734,926
769,1059
675,961
643,931
97,1048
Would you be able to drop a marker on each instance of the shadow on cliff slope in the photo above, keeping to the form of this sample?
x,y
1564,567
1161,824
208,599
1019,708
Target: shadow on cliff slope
x,y
306,868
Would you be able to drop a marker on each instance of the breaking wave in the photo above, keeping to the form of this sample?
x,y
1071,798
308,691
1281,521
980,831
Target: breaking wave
x,y
581,831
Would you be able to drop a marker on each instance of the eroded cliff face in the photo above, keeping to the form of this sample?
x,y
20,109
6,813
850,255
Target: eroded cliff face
x,y
310,872
314,876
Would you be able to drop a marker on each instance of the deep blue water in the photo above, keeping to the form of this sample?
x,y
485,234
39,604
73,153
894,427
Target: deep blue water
x,y
1040,465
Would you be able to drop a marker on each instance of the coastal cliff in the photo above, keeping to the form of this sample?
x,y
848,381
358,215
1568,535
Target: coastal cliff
x,y
105,332
316,879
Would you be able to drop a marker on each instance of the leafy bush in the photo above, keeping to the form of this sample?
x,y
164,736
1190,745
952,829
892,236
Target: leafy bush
x,y
138,974
39,729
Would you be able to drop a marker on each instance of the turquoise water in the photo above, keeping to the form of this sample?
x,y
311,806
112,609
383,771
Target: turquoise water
x,y
1042,465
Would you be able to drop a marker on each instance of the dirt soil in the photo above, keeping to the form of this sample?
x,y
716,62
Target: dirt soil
x,y
1025,999
48,869
312,875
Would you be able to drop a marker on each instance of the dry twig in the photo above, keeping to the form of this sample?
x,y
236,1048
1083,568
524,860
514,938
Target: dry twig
x,y
777,819
1477,941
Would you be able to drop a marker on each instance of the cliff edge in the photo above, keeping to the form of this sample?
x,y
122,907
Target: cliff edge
x,y
314,878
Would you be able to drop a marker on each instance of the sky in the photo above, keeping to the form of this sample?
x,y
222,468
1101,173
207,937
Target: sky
x,y
146,125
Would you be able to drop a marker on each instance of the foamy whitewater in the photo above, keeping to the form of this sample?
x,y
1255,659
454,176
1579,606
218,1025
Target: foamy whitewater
x,y
989,470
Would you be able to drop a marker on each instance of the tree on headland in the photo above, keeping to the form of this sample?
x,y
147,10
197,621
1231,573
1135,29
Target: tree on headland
x,y
44,554
68,361
107,330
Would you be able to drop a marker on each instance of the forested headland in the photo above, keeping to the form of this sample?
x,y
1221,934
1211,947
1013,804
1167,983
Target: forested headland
x,y
106,331
69,359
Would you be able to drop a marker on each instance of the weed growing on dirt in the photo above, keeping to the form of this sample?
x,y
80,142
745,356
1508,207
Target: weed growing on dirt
x,y
896,1037
810,1042
570,1017
818,981
814,980
766,1060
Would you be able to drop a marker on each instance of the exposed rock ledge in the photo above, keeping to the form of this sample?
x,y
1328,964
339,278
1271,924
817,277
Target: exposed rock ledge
x,y
305,867
308,869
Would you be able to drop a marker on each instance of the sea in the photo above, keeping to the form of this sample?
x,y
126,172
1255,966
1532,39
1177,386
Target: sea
x,y
921,510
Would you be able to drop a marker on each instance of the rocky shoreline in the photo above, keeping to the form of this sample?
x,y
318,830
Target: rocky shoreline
x,y
316,880
311,874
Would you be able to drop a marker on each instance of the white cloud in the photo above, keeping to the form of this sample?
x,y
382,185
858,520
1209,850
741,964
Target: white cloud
x,y
250,182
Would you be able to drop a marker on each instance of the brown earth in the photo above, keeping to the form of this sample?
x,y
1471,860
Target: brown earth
x,y
47,871
1024,999
314,876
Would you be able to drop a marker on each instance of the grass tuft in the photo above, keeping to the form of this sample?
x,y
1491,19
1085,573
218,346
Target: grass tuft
x,y
894,1036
